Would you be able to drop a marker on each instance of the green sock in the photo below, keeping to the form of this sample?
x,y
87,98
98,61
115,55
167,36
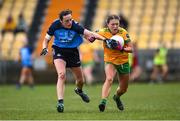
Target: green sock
x,y
103,101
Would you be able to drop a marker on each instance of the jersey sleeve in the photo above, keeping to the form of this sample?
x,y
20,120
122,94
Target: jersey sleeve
x,y
100,32
52,28
77,27
126,37
104,32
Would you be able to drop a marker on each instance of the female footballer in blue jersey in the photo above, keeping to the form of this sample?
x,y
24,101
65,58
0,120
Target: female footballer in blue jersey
x,y
27,64
67,38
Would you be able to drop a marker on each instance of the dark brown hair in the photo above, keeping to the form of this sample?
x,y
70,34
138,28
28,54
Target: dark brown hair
x,y
110,17
64,13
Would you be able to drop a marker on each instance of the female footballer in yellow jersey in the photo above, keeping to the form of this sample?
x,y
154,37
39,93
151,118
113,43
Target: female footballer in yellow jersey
x,y
115,61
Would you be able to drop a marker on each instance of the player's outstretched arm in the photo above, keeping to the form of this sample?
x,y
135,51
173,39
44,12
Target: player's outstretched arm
x,y
92,36
45,45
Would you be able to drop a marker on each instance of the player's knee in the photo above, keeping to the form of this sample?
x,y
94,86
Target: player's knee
x,y
109,80
61,76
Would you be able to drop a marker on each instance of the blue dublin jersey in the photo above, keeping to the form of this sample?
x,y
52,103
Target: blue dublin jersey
x,y
66,38
26,59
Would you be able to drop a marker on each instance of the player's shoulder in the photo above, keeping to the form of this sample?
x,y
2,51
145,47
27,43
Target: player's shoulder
x,y
56,22
76,24
125,34
122,30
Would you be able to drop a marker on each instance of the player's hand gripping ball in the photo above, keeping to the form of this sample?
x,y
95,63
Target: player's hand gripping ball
x,y
111,44
115,42
119,42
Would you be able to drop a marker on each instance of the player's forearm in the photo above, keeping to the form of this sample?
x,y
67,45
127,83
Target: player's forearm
x,y
46,41
97,36
89,34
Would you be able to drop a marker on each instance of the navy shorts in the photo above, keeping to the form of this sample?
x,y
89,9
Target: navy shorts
x,y
28,66
69,55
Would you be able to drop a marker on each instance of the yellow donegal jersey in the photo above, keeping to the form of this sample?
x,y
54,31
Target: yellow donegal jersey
x,y
115,56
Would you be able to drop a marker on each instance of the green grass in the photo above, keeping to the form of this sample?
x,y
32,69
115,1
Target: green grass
x,y
142,101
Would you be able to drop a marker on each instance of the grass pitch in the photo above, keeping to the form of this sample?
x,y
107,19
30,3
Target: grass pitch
x,y
142,101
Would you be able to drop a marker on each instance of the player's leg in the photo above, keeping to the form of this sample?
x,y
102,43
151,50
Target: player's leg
x,y
61,71
110,72
123,84
30,77
122,88
154,74
123,76
164,71
22,78
23,75
77,71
